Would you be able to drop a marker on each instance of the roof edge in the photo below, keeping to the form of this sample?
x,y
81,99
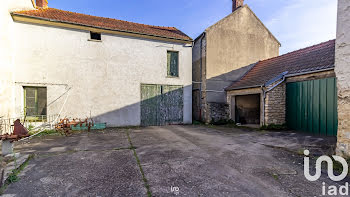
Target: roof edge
x,y
244,87
310,72
18,16
264,25
234,12
242,75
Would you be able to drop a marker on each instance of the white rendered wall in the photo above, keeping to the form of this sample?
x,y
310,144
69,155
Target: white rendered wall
x,y
103,78
7,35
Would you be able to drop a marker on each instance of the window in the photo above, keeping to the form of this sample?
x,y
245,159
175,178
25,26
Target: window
x,y
35,102
95,36
173,64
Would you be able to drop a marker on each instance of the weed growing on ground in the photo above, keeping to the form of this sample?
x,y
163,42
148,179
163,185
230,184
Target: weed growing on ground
x,y
44,133
275,176
338,167
149,194
30,127
13,177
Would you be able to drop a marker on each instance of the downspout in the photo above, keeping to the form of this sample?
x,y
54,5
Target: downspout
x,y
265,92
201,78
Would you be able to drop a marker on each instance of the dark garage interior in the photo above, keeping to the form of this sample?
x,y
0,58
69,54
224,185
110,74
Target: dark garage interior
x,y
248,109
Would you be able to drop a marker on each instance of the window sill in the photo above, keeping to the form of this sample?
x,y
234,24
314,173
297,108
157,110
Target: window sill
x,y
92,40
36,119
172,77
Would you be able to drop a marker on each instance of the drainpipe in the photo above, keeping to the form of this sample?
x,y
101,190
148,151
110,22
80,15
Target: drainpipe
x,y
265,92
201,79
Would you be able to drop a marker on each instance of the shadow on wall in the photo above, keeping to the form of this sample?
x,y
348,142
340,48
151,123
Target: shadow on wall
x,y
217,108
160,105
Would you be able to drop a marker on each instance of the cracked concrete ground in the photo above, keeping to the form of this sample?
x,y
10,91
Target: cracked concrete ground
x,y
199,160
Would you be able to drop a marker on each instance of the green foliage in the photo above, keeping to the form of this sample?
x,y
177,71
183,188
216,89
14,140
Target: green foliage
x,y
30,128
13,177
338,167
274,127
44,133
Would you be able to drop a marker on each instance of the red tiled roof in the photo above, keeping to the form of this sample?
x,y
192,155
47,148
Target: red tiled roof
x,y
104,23
314,58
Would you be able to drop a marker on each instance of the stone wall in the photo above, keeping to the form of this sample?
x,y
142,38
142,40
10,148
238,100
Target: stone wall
x,y
275,105
311,76
218,112
342,69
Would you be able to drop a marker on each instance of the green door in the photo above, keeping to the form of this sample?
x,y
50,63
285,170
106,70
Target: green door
x,y
161,105
312,106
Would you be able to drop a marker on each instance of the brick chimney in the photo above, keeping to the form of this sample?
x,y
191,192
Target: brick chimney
x,y
42,4
236,4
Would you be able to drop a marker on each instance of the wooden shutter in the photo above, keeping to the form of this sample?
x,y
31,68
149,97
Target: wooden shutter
x,y
173,64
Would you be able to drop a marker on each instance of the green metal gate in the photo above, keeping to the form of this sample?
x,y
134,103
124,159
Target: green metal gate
x,y
312,106
161,105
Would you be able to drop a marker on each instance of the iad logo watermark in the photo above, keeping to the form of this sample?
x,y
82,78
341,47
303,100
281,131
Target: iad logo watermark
x,y
175,190
332,189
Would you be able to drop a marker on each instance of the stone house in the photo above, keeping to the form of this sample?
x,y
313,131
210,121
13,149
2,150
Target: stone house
x,y
297,89
238,40
342,69
78,66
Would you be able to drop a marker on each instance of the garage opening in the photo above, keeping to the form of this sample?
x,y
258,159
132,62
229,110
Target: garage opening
x,y
247,109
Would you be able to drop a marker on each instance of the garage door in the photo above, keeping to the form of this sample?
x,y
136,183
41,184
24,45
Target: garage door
x,y
161,105
312,106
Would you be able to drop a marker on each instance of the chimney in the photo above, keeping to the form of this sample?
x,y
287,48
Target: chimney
x,y
42,4
236,4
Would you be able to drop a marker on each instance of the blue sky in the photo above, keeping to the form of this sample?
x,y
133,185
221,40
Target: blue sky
x,y
295,23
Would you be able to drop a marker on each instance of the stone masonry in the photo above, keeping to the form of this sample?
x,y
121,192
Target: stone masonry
x,y
275,105
342,69
275,101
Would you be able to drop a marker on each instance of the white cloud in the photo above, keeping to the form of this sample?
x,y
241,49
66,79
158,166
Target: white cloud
x,y
303,23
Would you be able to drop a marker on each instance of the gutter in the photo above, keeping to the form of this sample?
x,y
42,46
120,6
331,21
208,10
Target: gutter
x,y
83,25
200,78
310,72
265,92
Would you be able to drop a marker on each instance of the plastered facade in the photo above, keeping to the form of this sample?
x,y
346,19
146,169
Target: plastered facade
x,y
87,78
7,48
237,41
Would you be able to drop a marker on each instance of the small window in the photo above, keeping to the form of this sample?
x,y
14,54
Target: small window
x,y
95,36
173,64
35,102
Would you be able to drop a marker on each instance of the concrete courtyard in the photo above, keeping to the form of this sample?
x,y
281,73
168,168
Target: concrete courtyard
x,y
169,161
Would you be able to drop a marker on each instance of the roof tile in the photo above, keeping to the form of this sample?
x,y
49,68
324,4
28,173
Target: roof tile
x,y
314,58
105,23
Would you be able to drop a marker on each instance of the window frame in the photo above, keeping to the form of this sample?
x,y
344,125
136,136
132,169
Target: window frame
x,y
178,64
95,40
35,117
